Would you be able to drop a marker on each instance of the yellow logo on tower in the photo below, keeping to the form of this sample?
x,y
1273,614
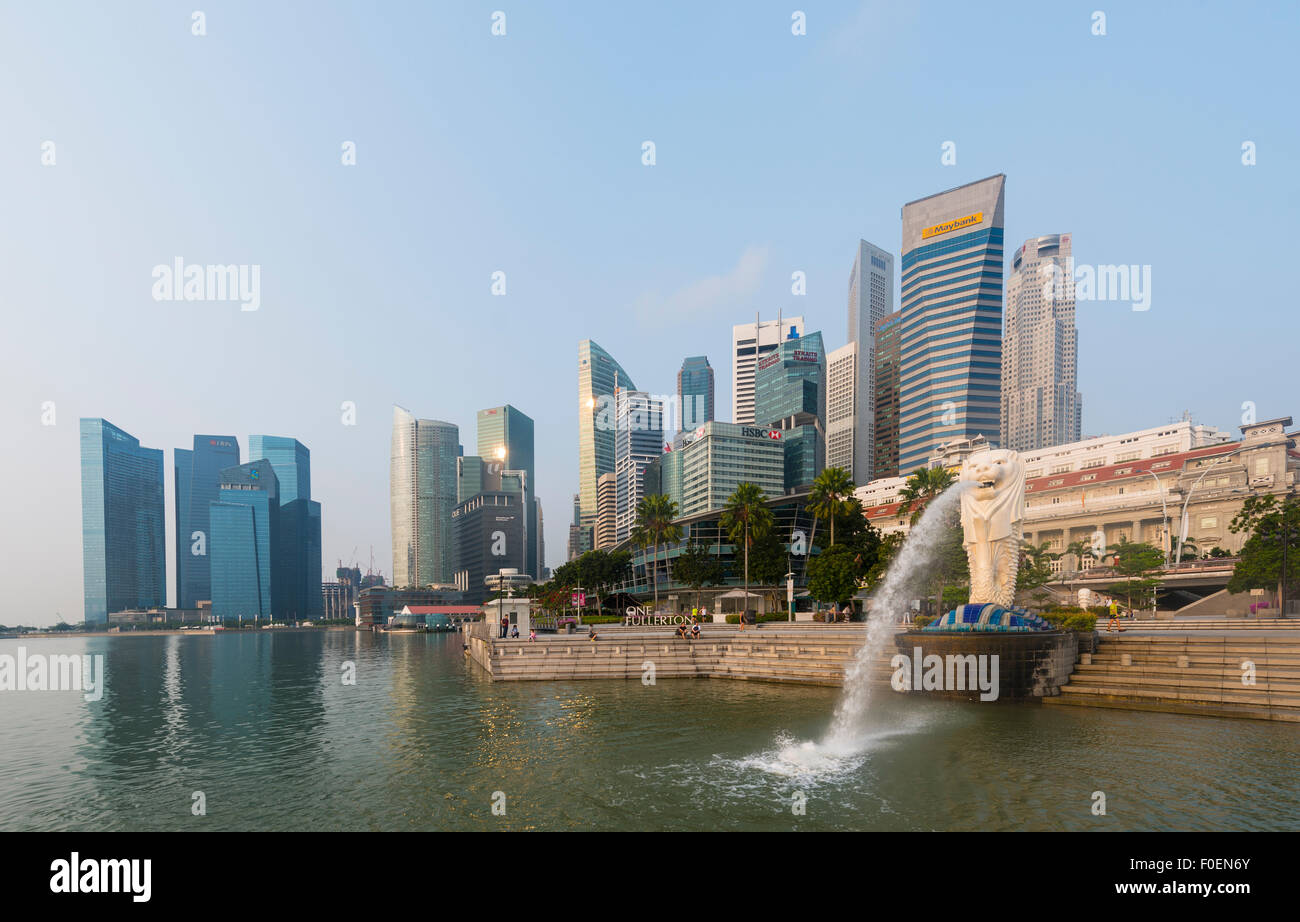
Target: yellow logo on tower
x,y
949,226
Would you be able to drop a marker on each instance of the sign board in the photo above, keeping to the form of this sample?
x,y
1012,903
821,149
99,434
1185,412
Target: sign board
x,y
948,227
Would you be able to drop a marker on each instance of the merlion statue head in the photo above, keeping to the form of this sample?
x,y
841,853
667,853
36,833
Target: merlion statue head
x,y
997,494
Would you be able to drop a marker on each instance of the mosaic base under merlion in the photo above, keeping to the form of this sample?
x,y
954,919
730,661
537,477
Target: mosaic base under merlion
x,y
988,618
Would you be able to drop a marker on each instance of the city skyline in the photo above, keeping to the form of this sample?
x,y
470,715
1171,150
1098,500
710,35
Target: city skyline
x,y
1125,181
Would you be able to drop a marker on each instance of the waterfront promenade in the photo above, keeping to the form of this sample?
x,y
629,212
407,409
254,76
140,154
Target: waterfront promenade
x,y
1196,667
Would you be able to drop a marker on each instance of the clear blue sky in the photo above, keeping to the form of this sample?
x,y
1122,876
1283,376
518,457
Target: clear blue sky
x,y
522,153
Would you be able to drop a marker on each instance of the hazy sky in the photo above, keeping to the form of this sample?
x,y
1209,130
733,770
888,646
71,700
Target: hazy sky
x,y
523,153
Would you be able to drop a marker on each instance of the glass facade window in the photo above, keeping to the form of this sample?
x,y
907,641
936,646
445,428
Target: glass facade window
x,y
245,522
123,522
598,375
197,482
423,488
950,350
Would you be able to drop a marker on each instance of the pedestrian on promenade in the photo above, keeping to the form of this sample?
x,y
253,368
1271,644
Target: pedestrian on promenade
x,y
505,625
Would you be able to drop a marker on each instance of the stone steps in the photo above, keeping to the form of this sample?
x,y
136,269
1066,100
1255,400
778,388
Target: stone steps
x,y
1190,674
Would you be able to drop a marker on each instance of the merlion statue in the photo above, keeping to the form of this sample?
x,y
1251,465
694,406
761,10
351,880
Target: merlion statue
x,y
991,513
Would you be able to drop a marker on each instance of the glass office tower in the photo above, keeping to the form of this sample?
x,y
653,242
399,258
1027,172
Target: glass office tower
x,y
638,441
298,556
245,522
790,394
197,474
123,522
694,393
422,497
291,461
598,374
950,364
505,436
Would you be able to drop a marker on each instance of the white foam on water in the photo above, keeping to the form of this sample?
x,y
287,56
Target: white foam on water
x,y
851,735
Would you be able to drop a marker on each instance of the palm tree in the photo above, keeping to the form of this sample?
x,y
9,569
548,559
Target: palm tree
x,y
1080,549
1189,546
745,518
829,498
655,526
923,487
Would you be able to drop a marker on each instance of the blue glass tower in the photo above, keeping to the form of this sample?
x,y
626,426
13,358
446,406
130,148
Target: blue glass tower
x,y
245,536
291,461
123,522
790,394
197,475
694,393
950,341
298,554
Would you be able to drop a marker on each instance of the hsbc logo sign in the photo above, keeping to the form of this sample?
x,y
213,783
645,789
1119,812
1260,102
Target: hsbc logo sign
x,y
753,432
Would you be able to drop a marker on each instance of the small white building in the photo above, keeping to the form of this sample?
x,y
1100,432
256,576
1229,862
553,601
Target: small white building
x,y
517,611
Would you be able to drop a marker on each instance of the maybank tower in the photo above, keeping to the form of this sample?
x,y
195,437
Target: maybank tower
x,y
950,344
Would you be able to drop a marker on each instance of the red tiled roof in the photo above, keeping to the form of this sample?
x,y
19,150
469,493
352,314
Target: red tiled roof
x,y
1096,475
1128,469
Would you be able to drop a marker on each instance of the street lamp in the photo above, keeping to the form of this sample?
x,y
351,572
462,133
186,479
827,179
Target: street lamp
x,y
1183,520
1164,510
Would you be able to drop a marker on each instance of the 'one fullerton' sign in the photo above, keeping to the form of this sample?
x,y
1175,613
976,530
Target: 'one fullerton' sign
x,y
636,614
948,227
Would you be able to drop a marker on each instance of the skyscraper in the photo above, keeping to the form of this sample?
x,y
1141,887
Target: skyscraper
x,y
123,522
248,571
422,496
871,299
489,529
750,342
722,456
298,555
606,498
885,376
598,374
197,475
291,461
1041,405
842,423
950,365
505,435
790,394
638,440
694,393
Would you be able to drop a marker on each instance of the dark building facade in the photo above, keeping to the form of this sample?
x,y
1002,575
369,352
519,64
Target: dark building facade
x,y
886,384
490,536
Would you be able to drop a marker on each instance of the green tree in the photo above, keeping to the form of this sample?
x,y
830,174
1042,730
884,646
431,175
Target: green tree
x,y
829,498
1274,527
832,576
886,551
1135,560
697,567
923,487
1080,550
745,518
769,561
654,526
1035,568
